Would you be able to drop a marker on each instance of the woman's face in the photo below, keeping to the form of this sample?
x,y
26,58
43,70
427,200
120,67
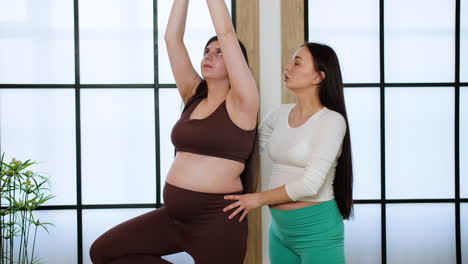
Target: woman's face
x,y
212,64
300,72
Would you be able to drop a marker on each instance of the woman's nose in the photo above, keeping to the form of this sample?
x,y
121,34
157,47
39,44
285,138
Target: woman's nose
x,y
208,56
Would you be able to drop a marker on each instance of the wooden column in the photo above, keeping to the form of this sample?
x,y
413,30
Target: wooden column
x,y
292,36
247,27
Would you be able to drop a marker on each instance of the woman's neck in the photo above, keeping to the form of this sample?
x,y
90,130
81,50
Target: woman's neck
x,y
217,91
308,102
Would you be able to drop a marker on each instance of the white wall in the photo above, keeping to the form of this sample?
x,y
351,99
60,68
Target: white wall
x,y
270,87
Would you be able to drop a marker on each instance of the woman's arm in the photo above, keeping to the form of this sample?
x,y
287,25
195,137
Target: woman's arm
x,y
266,128
244,93
187,79
325,151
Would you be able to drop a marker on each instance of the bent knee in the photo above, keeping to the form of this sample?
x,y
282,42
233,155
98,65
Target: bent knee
x,y
100,251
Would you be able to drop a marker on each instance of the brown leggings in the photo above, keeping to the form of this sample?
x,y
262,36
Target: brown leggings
x,y
190,221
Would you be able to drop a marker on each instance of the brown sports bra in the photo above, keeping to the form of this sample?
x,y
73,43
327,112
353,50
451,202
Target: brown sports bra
x,y
215,135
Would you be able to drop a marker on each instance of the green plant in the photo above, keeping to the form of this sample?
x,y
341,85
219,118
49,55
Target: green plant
x,y
22,191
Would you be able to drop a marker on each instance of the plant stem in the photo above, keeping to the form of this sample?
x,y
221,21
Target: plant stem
x,y
12,219
34,243
31,217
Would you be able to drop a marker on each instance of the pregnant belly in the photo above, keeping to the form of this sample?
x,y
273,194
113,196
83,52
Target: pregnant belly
x,y
205,174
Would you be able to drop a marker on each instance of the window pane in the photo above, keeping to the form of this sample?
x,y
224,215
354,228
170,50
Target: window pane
x,y
97,221
367,220
464,231
463,142
356,43
170,108
40,125
421,233
419,41
464,41
59,245
363,108
118,146
36,41
116,41
419,142
199,29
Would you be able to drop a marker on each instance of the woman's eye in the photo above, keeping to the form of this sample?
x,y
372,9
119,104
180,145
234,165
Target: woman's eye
x,y
296,63
219,53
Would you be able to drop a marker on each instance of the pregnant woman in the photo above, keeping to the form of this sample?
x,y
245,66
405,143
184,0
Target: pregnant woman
x,y
214,139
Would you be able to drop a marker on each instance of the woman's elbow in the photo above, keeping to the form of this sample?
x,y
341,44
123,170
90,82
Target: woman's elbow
x,y
171,37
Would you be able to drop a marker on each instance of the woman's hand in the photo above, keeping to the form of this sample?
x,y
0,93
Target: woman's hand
x,y
245,203
248,202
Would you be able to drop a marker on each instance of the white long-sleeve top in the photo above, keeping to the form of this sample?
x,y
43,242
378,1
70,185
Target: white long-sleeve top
x,y
304,158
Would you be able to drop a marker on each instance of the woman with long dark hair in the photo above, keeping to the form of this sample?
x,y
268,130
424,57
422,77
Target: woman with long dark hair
x,y
311,181
214,139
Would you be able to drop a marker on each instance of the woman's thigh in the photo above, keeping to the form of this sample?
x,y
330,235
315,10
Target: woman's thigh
x,y
153,233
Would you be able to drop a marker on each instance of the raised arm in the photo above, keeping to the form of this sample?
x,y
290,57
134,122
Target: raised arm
x,y
185,75
244,93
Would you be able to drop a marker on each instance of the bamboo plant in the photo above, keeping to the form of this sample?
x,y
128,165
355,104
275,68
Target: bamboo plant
x,y
22,191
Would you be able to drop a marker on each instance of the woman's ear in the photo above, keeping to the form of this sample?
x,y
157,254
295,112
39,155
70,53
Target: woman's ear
x,y
322,74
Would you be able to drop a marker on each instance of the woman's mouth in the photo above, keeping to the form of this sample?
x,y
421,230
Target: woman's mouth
x,y
207,66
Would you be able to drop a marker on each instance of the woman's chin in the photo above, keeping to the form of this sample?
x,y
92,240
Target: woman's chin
x,y
288,86
214,77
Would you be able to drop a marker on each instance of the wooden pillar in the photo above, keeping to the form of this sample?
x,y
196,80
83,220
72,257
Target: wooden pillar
x,y
247,27
292,36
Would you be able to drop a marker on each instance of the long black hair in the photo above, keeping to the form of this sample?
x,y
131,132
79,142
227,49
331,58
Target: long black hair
x,y
331,96
248,176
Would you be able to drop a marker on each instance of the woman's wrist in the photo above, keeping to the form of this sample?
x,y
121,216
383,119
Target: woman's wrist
x,y
262,198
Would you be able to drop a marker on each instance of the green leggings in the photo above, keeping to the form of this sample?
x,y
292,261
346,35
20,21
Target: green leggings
x,y
309,235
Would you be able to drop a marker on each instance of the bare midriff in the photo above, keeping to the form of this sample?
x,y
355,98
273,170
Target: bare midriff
x,y
206,174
